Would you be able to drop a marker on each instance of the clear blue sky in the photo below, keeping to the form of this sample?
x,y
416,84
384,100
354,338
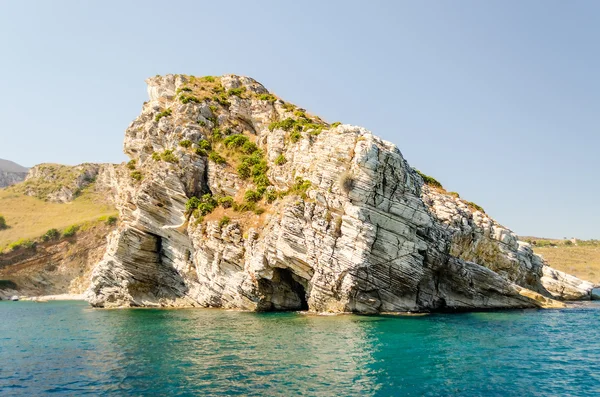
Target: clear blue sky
x,y
499,100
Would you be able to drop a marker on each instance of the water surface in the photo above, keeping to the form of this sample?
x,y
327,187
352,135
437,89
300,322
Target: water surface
x,y
71,349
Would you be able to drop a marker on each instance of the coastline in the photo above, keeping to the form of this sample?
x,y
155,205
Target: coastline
x,y
60,297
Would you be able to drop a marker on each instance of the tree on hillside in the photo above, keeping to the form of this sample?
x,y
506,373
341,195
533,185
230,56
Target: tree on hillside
x,y
2,223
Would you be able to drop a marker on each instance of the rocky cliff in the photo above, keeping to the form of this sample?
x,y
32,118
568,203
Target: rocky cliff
x,y
238,199
56,266
11,173
62,183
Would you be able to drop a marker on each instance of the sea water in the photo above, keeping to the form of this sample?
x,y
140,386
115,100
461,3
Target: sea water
x,y
68,348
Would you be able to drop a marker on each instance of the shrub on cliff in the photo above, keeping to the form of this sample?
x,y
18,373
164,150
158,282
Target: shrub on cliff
x,y
137,175
188,98
431,181
204,205
280,160
164,113
168,156
295,136
252,196
204,144
216,158
51,234
235,141
225,202
224,221
237,92
70,231
22,243
2,223
476,207
186,143
267,97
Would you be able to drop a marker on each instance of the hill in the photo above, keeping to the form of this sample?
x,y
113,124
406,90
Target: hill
x,y
55,197
11,166
11,173
580,258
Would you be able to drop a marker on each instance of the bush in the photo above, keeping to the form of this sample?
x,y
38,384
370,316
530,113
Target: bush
x,y
259,211
186,143
111,220
252,196
3,224
225,202
270,196
335,124
51,234
204,205
454,194
216,135
188,98
164,113
216,158
429,180
267,97
245,206
236,91
474,206
70,231
249,147
235,141
192,204
204,144
224,221
208,79
131,164
168,156
22,243
137,175
156,156
222,100
280,160
346,182
295,136
300,186
186,89
244,170
286,124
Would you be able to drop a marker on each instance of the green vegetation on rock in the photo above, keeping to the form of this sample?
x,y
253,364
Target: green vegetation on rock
x,y
430,181
201,206
280,160
164,113
475,207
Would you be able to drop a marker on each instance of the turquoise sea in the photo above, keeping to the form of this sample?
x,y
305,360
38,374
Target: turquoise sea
x,y
67,348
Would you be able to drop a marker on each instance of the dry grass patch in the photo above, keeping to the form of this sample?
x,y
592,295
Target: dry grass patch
x,y
581,261
29,217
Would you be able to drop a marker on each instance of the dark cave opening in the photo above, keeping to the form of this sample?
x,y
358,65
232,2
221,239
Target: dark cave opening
x,y
284,292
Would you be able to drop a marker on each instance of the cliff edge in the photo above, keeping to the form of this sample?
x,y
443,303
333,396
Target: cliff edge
x,y
238,199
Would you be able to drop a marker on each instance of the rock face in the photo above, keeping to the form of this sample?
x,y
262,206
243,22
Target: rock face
x,y
62,183
325,217
53,267
11,173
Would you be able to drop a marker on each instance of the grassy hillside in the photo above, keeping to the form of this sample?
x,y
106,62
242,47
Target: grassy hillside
x,y
580,258
29,218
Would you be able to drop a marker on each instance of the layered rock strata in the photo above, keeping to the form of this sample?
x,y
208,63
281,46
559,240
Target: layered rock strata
x,y
324,217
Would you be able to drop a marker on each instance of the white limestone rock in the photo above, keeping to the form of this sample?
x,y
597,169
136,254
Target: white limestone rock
x,y
366,236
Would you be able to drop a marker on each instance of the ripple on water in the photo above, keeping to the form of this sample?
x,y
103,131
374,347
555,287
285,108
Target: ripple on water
x,y
66,348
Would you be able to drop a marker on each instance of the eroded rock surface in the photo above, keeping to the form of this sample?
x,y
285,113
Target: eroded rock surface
x,y
343,224
62,183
